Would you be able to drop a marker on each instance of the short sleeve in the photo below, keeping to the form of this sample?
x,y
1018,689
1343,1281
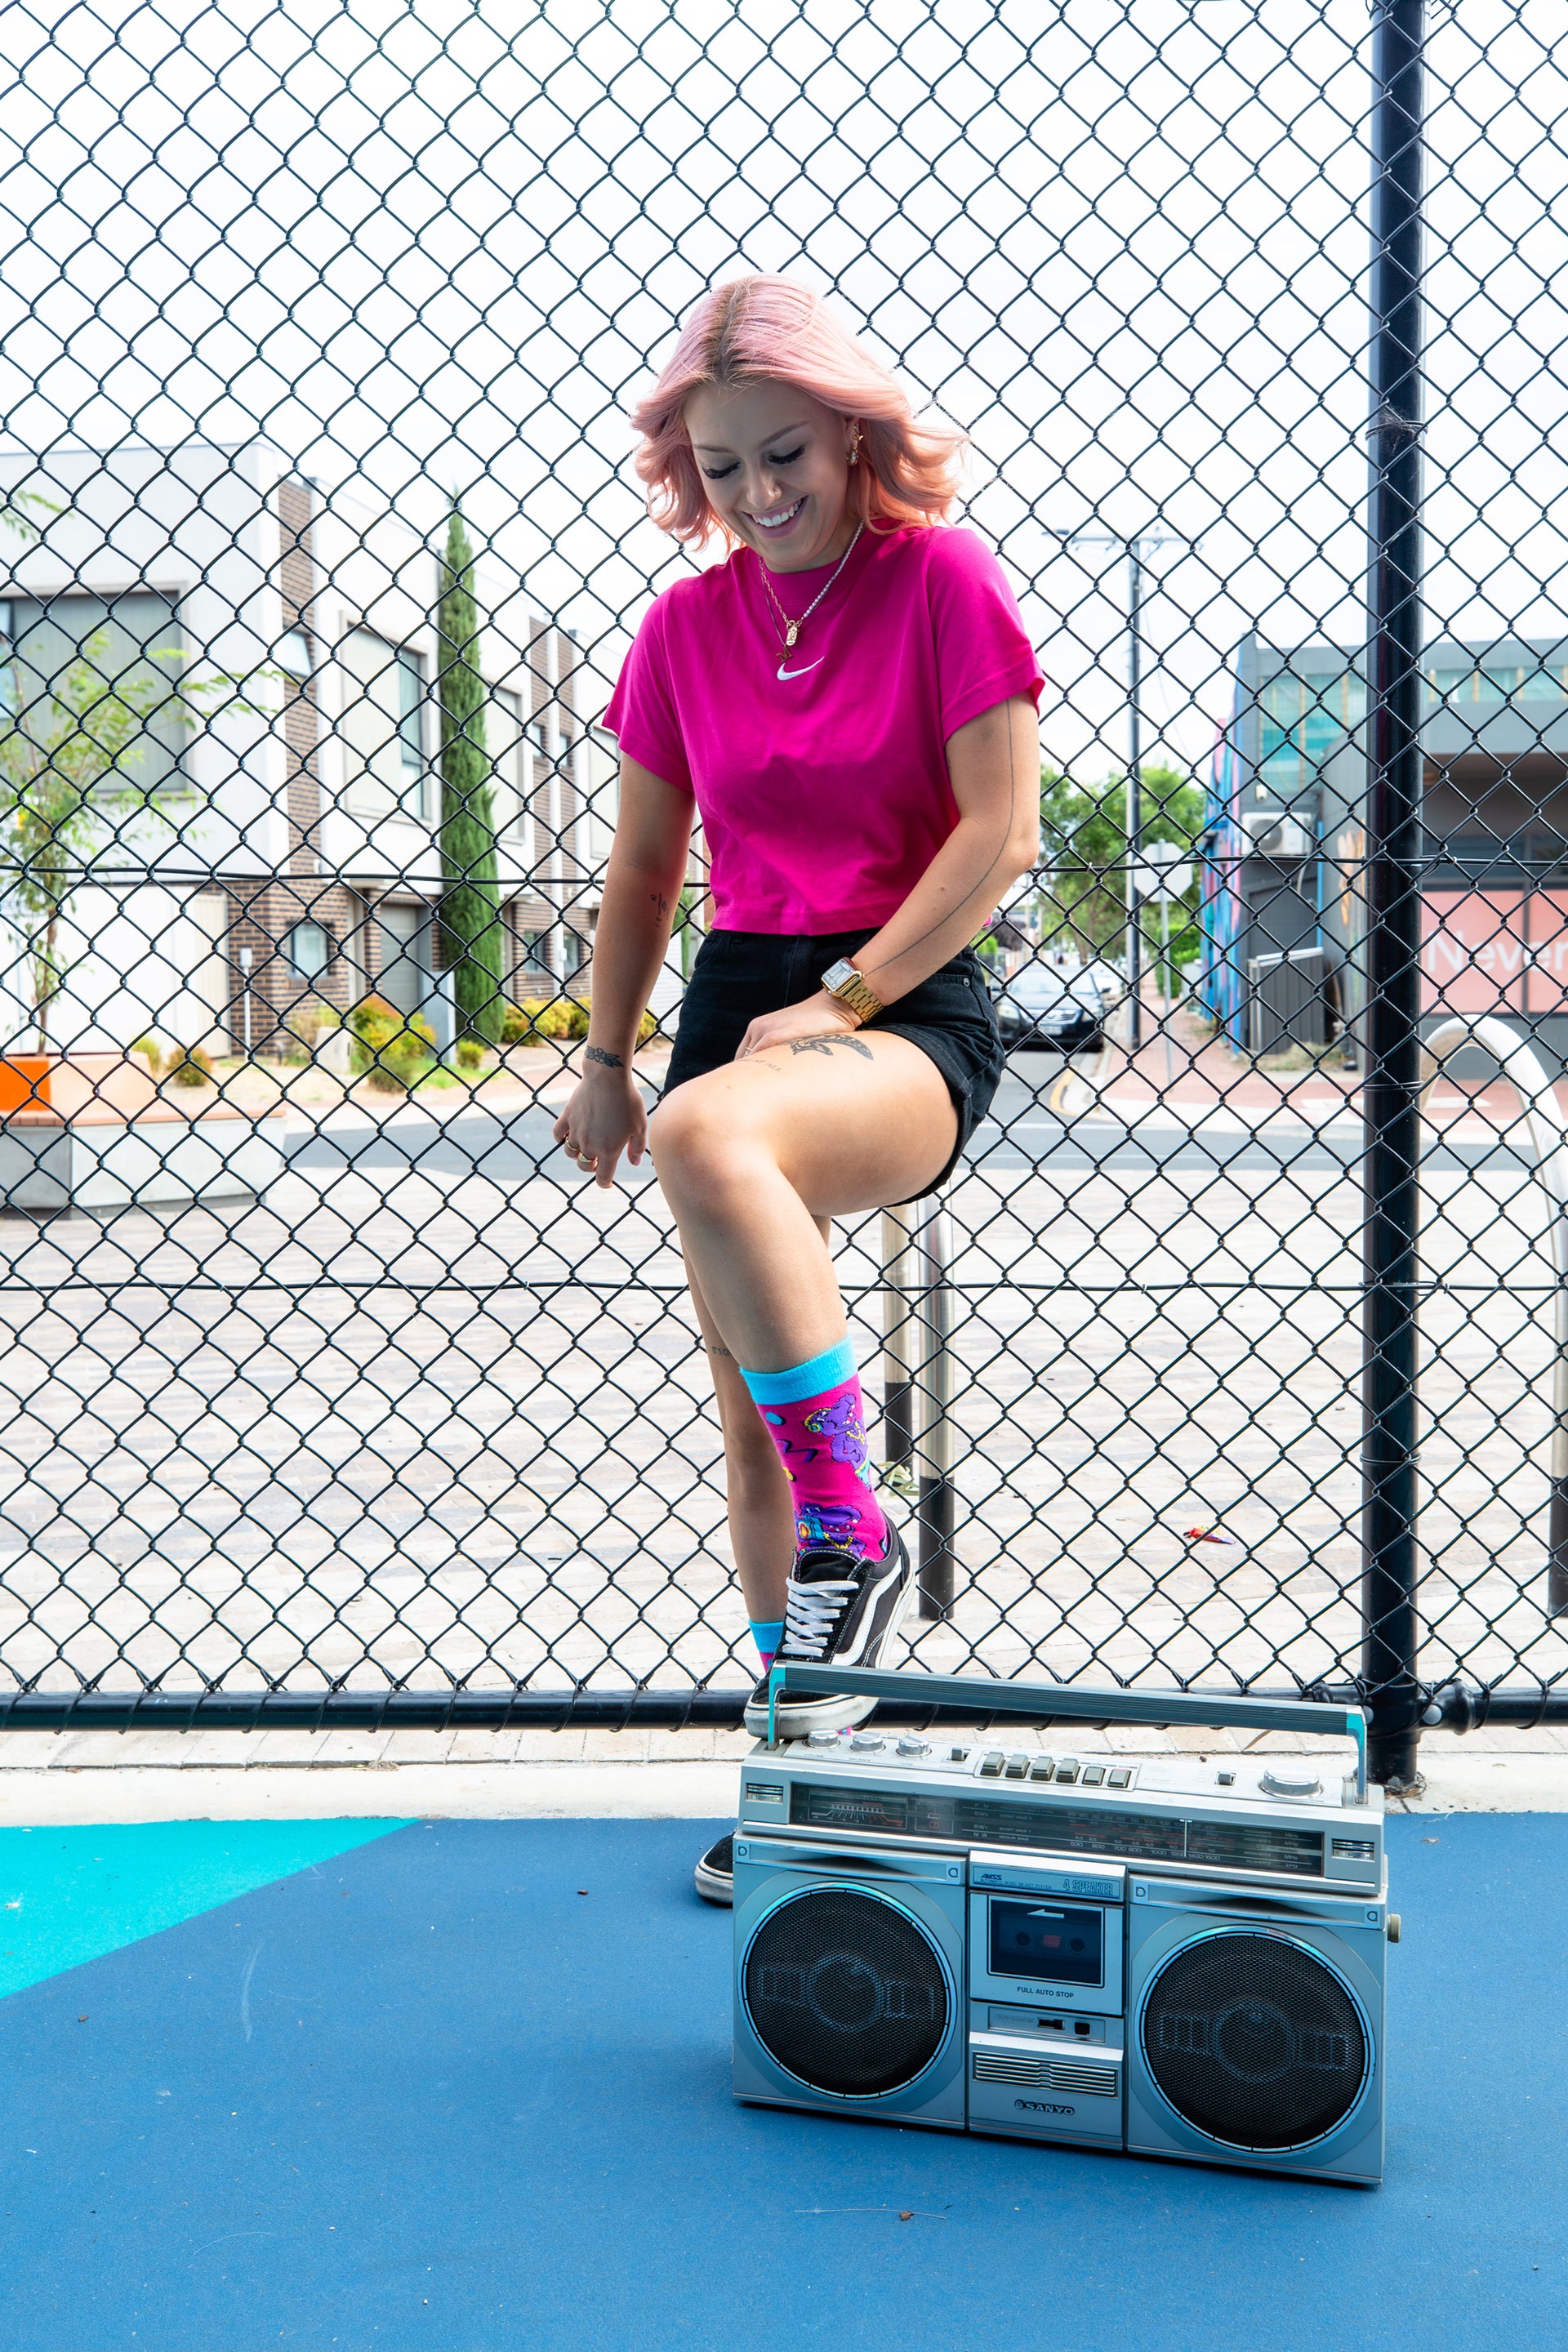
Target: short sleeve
x,y
642,713
982,652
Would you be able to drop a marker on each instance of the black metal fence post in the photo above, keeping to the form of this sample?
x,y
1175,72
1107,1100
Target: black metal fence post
x,y
1392,1093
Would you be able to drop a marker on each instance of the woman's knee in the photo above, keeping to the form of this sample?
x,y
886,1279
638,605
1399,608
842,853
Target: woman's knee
x,y
703,1146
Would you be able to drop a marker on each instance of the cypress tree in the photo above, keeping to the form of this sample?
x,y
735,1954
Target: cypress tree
x,y
470,897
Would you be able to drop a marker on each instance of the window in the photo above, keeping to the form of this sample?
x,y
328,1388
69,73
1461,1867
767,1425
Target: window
x,y
1282,700
1499,680
293,654
411,722
381,726
66,653
307,949
1454,685
512,773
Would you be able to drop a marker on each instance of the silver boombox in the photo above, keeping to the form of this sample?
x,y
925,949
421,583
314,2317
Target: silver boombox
x,y
1171,1957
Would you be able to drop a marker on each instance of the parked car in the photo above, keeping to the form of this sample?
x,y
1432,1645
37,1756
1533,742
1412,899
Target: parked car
x,y
1054,1008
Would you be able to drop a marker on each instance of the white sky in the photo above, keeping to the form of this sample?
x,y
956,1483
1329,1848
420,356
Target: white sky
x,y
1122,242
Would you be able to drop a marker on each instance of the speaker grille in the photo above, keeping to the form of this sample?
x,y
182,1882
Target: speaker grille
x,y
1045,2074
845,1993
1254,2040
996,2066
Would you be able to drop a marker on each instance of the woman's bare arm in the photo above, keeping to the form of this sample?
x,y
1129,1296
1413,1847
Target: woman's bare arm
x,y
606,1115
995,766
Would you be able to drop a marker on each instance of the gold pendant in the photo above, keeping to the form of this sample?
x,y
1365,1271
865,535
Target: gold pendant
x,y
790,635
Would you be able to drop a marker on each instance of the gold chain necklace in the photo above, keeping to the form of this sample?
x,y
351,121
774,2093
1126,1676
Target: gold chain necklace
x,y
790,629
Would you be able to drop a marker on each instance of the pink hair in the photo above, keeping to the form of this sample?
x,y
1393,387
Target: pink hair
x,y
766,327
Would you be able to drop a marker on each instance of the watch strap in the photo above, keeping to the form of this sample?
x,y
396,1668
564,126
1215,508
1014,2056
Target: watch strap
x,y
852,991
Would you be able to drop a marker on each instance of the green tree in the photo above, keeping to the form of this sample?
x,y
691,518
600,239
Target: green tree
x,y
1084,854
65,787
470,900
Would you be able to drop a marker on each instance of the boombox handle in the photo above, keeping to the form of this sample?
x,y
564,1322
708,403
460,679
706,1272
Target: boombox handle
x,y
1051,1702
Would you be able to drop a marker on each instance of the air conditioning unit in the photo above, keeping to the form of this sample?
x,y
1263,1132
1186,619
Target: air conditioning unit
x,y
1174,1957
1283,838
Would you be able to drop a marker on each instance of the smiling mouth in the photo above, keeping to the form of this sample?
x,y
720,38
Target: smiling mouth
x,y
777,521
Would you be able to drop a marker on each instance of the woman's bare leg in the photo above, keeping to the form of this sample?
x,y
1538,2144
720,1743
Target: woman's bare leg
x,y
755,1157
757,1493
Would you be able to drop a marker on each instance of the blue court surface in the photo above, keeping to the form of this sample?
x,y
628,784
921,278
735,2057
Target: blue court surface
x,y
463,2085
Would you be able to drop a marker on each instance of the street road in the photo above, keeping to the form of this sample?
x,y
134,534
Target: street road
x,y
1021,1132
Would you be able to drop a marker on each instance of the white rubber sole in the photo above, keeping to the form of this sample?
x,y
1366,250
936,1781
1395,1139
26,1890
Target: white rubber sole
x,y
833,1711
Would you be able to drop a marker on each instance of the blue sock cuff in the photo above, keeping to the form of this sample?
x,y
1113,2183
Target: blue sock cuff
x,y
824,1371
767,1634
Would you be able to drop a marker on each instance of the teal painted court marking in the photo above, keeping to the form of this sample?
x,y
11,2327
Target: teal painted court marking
x,y
72,1895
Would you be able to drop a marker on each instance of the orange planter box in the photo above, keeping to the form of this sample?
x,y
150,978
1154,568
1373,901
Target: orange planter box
x,y
43,1088
24,1081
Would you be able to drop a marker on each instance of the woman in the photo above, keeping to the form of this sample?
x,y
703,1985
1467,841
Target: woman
x,y
848,703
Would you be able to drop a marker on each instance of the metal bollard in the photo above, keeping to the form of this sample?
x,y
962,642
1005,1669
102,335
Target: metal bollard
x,y
918,1330
1547,1133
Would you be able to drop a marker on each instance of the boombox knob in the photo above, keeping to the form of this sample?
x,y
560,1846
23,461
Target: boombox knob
x,y
1393,1927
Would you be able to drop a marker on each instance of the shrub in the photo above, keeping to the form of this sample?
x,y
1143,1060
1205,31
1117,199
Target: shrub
x,y
405,1061
561,1019
470,1053
151,1050
385,1040
557,1018
190,1066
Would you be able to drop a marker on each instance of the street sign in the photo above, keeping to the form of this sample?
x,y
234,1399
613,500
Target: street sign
x,y
1162,869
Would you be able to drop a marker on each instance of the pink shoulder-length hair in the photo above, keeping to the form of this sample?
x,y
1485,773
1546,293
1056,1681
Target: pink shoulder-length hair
x,y
769,327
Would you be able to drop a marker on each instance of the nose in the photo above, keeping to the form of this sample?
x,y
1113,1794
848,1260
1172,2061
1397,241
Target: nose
x,y
762,488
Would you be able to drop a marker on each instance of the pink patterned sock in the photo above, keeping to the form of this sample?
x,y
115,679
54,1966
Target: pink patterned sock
x,y
816,1417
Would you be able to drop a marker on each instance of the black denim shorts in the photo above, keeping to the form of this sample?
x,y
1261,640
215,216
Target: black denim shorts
x,y
740,975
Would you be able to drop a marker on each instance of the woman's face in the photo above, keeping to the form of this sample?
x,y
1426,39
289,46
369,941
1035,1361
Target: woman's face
x,y
775,466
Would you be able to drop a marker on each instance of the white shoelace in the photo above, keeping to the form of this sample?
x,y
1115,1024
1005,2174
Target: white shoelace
x,y
811,1614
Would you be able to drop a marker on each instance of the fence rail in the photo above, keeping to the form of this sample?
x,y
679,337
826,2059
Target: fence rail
x,y
332,1396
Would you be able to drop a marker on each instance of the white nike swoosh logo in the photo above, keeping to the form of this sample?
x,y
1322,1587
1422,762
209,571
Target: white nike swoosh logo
x,y
804,667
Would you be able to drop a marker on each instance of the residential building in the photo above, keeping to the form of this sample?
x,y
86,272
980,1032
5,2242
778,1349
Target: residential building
x,y
286,854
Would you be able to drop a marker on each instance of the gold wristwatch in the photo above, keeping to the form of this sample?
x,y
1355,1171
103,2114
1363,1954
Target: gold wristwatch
x,y
841,980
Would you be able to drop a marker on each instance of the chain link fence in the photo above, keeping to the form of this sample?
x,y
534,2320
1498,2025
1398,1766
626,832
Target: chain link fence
x,y
334,1394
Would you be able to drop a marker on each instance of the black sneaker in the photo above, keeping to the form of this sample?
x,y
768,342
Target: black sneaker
x,y
838,1611
715,1872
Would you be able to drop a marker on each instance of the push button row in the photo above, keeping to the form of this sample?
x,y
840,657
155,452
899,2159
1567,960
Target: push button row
x,y
995,1765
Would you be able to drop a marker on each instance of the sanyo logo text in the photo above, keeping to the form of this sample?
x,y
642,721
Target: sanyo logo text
x,y
1043,2108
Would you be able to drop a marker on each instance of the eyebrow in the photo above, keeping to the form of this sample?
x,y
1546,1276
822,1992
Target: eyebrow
x,y
722,448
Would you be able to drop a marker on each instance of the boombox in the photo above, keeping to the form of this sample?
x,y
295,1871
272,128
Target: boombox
x,y
1172,1957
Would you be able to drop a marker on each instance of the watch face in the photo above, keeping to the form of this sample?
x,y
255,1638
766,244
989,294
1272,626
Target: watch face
x,y
837,973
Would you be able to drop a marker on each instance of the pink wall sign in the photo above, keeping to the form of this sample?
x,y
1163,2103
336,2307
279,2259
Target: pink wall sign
x,y
1494,951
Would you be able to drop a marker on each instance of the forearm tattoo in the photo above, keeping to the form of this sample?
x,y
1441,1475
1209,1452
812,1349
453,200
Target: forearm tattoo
x,y
825,1043
597,1054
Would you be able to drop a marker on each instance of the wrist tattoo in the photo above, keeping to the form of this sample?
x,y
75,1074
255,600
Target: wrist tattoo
x,y
597,1054
825,1045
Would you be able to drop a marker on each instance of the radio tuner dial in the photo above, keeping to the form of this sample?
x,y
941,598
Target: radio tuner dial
x,y
1289,1780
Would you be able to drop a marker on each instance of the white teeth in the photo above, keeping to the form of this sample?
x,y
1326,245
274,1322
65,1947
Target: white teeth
x,y
776,522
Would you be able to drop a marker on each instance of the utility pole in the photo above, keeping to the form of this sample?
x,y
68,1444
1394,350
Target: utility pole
x,y
1391,1091
1134,547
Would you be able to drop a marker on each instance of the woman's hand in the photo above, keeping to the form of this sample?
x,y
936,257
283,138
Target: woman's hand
x,y
604,1117
817,1016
